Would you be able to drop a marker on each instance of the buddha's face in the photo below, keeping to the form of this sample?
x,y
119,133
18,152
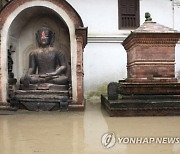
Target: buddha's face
x,y
44,37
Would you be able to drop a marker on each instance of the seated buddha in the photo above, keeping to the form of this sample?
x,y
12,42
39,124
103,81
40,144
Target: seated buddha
x,y
46,64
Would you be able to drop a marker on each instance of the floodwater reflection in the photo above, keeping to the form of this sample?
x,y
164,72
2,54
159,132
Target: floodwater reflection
x,y
26,132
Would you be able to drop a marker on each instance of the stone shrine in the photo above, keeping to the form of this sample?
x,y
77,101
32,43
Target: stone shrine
x,y
151,87
57,82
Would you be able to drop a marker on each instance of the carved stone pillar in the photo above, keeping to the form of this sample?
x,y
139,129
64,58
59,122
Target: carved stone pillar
x,y
0,71
79,69
81,39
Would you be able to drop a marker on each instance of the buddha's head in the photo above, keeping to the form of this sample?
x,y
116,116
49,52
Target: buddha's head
x,y
45,37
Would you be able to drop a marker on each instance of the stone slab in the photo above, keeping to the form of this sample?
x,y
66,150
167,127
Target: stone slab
x,y
137,107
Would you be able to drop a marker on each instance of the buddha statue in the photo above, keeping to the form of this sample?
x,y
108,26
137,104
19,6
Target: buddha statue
x,y
47,65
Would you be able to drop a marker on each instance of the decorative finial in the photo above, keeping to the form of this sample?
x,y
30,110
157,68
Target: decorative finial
x,y
148,16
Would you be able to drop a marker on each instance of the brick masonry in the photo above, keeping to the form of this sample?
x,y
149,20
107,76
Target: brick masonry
x,y
81,36
151,88
151,56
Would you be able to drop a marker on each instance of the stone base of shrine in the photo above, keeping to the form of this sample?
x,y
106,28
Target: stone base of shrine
x,y
149,88
7,107
154,106
45,100
142,99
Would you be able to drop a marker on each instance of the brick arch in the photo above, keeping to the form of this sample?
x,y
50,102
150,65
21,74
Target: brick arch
x,y
78,40
14,4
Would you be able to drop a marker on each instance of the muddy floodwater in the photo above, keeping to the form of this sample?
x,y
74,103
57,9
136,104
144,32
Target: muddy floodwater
x,y
25,132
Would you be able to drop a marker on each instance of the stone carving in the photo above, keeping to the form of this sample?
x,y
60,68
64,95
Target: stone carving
x,y
47,65
45,86
112,91
11,80
10,62
148,16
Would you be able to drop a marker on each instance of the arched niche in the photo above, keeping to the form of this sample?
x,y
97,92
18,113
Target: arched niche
x,y
23,36
19,22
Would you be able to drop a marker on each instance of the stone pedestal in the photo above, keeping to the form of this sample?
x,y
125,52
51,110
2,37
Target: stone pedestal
x,y
151,88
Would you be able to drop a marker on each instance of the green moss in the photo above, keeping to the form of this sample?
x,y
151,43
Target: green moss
x,y
119,97
101,90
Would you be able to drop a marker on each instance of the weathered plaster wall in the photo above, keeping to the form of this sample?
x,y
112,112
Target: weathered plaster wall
x,y
103,63
99,15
